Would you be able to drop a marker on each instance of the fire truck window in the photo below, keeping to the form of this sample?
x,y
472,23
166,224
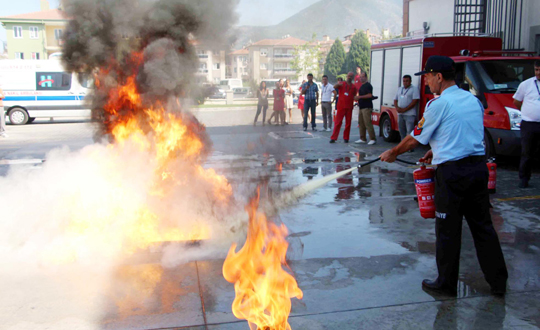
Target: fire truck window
x,y
460,68
471,80
505,75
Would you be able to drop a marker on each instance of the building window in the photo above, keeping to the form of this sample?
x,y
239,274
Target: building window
x,y
202,54
53,81
35,56
58,34
17,32
19,56
264,66
34,32
203,68
216,66
235,70
264,51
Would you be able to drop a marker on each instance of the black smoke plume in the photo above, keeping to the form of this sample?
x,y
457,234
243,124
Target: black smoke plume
x,y
155,40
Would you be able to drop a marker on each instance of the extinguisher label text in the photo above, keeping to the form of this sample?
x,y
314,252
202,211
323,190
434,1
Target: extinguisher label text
x,y
423,181
440,215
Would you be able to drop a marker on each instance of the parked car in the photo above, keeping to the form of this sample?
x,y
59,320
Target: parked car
x,y
217,93
243,92
229,84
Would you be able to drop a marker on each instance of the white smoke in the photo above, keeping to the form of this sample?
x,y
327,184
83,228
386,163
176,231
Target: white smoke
x,y
81,208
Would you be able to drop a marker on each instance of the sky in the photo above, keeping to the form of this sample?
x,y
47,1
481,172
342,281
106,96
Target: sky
x,y
251,12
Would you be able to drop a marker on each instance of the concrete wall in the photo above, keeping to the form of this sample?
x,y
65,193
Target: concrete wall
x,y
439,14
25,44
530,29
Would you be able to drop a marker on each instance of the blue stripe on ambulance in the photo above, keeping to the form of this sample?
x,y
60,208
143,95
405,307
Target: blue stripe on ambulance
x,y
43,98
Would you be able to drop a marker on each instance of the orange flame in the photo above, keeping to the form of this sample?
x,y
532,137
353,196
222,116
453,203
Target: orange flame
x,y
263,287
175,145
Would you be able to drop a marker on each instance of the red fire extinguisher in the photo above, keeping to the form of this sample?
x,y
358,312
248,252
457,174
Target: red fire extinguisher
x,y
424,180
492,183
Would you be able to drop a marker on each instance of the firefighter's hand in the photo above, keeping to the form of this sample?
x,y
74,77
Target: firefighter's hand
x,y
428,157
388,156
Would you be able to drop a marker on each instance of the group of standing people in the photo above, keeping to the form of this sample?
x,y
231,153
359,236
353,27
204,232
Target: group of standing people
x,y
283,100
355,88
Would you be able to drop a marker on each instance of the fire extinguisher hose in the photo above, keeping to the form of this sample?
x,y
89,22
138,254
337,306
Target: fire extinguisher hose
x,y
405,162
378,159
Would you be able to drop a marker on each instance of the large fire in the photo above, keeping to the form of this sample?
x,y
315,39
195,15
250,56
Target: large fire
x,y
263,287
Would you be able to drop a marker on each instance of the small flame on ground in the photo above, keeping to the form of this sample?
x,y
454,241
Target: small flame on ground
x,y
263,287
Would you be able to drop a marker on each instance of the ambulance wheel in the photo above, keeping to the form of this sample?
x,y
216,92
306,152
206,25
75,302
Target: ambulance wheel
x,y
31,120
18,116
387,132
488,145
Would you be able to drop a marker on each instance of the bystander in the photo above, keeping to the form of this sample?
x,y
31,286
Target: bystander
x,y
527,99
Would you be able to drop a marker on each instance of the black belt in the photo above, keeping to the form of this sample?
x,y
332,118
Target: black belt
x,y
466,160
326,102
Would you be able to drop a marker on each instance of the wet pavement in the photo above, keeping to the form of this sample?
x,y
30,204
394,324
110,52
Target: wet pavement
x,y
358,248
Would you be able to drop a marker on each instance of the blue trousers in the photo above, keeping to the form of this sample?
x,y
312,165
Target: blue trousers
x,y
310,104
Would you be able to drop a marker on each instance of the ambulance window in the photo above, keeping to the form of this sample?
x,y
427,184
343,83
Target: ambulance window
x,y
53,81
87,81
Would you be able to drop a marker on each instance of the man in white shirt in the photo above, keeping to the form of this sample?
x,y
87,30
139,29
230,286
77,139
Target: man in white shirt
x,y
527,99
406,104
326,103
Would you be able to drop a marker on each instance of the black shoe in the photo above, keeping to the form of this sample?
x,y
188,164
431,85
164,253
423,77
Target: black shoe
x,y
436,287
305,129
314,129
346,141
524,183
332,141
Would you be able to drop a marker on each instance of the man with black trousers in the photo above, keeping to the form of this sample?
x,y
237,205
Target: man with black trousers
x,y
310,90
527,99
453,126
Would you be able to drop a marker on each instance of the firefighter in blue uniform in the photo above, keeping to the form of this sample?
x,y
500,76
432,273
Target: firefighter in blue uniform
x,y
453,124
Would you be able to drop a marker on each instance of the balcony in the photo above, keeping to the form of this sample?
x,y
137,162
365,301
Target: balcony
x,y
205,56
202,71
284,72
283,57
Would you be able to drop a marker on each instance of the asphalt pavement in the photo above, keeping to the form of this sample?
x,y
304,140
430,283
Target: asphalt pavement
x,y
358,246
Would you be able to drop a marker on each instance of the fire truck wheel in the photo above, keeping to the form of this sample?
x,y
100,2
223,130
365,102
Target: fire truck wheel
x,y
488,145
18,116
387,132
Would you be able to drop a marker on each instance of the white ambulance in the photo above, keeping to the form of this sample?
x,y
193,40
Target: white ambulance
x,y
41,89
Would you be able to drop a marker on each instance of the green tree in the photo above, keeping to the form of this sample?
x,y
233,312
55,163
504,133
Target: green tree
x,y
334,60
307,59
359,53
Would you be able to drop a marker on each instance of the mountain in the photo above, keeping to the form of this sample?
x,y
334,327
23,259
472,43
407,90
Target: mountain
x,y
336,18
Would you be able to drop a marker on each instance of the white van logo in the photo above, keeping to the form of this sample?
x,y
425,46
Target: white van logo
x,y
46,81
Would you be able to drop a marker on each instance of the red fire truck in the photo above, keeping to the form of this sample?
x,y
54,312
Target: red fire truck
x,y
491,74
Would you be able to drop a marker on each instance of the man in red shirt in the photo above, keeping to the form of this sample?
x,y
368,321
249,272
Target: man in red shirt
x,y
347,92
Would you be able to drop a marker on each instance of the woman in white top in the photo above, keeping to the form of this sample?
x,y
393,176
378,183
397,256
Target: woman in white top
x,y
289,98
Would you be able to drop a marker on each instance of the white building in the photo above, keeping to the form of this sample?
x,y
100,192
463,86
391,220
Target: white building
x,y
271,58
516,21
237,66
212,64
